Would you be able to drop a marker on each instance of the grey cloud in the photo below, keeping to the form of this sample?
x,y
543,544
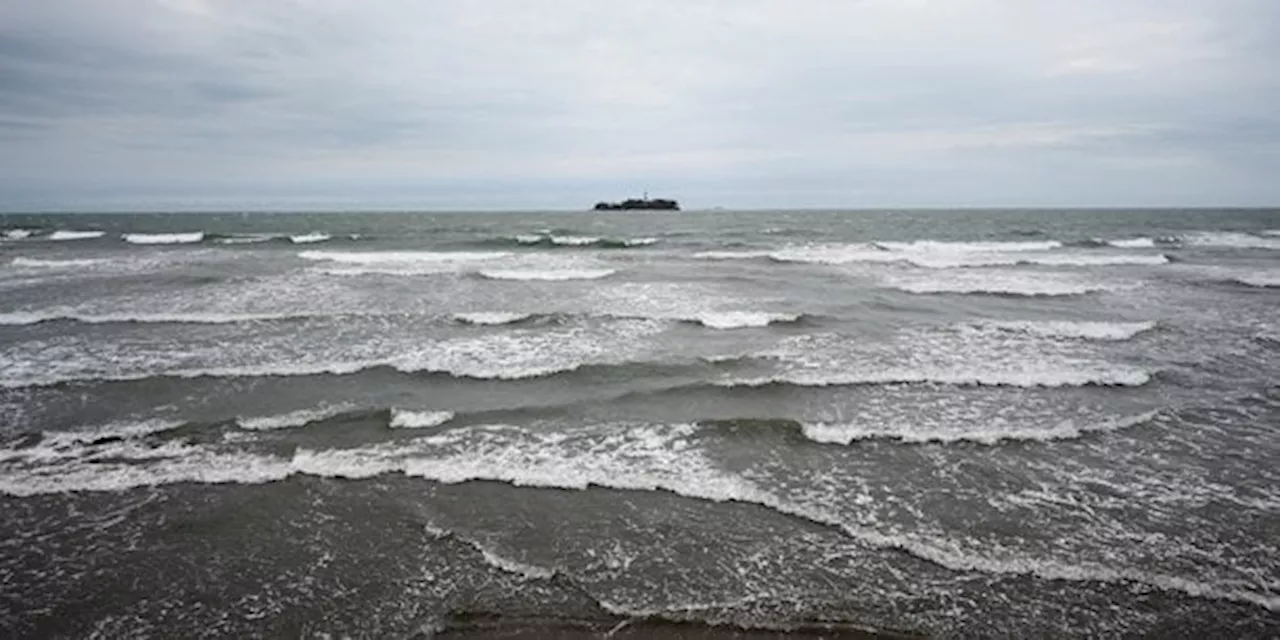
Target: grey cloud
x,y
875,102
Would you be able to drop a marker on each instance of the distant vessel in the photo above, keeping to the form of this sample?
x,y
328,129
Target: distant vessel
x,y
657,204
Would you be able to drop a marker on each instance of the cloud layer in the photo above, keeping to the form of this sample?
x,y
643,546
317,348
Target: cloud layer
x,y
557,103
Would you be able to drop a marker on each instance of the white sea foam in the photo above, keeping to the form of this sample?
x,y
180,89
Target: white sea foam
x,y
1018,283
309,238
640,242
252,238
732,255
75,235
299,418
1271,232
834,254
406,419
1072,329
547,274
164,238
574,241
960,247
1027,374
195,317
1090,260
17,234
741,319
491,317
48,263
1260,278
1231,239
402,257
847,433
1132,243
529,238
624,457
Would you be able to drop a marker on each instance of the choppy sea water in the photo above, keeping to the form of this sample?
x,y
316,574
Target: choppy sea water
x,y
943,423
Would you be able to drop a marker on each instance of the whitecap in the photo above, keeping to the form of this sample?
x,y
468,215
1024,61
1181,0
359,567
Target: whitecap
x,y
252,238
1029,375
639,242
742,319
406,419
49,263
1133,243
1231,239
1261,278
491,317
293,419
574,241
547,274
1072,329
731,255
1001,283
401,257
847,433
164,238
17,234
309,238
963,247
75,235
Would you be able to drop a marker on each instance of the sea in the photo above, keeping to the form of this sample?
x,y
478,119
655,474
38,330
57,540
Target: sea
x,y
701,424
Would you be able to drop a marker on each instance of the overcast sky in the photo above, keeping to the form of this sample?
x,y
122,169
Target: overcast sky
x,y
559,103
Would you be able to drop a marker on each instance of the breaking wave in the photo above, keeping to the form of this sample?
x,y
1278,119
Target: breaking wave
x,y
75,235
20,318
164,238
546,274
1029,376
1065,430
1262,278
1002,283
310,238
623,457
1071,329
1231,239
248,238
293,419
402,257
71,263
554,240
492,317
406,419
1132,243
965,247
17,234
741,319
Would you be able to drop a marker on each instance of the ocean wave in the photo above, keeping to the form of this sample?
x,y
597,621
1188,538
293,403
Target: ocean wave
x,y
940,255
741,319
248,238
406,419
1270,232
546,274
1029,284
1027,376
75,235
1132,243
624,457
310,238
20,318
402,257
568,240
506,355
847,433
1262,278
49,263
492,317
1230,239
733,255
18,234
969,247
1071,329
293,419
164,238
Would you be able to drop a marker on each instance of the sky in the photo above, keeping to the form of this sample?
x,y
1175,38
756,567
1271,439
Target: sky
x,y
533,104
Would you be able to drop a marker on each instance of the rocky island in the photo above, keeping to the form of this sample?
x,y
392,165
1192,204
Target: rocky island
x,y
658,204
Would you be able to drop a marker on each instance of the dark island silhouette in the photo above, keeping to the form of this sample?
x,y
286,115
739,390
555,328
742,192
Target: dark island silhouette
x,y
657,204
